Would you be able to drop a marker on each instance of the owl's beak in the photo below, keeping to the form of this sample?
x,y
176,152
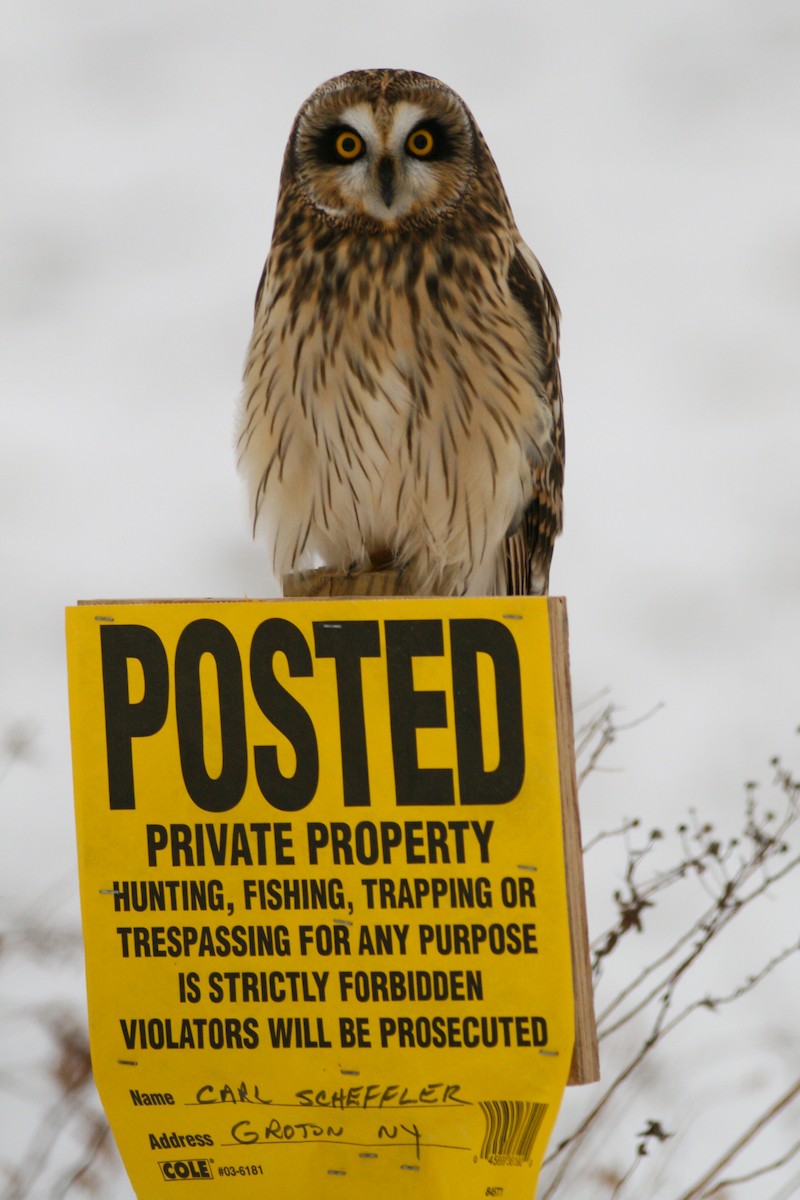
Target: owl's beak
x,y
386,180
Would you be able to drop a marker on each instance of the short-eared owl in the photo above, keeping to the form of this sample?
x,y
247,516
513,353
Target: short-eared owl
x,y
402,400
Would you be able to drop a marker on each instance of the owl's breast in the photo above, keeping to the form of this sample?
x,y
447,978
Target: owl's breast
x,y
393,409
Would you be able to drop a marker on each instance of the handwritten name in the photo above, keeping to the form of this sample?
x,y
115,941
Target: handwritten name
x,y
370,1095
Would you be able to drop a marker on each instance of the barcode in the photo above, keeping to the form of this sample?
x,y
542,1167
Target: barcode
x,y
511,1129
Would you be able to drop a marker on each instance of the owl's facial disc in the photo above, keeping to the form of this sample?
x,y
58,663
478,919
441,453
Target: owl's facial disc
x,y
386,162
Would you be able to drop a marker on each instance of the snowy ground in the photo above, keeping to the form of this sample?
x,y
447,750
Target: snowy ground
x,y
652,158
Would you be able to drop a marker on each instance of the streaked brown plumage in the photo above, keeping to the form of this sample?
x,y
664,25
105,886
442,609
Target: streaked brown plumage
x,y
402,399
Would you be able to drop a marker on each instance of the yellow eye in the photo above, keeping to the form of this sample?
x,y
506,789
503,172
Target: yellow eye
x,y
420,143
349,145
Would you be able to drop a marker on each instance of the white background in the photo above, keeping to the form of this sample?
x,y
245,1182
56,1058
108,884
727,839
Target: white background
x,y
652,158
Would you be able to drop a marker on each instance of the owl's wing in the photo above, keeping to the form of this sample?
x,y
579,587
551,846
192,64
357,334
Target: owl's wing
x,y
529,547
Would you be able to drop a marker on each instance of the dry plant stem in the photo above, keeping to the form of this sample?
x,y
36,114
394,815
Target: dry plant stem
x,y
700,1189
606,835
703,857
605,729
100,1135
660,1029
728,901
50,1128
759,1173
706,928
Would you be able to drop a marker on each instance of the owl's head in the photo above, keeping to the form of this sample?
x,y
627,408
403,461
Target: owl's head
x,y
383,147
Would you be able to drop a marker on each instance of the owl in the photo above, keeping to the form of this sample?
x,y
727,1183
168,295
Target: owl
x,y
402,397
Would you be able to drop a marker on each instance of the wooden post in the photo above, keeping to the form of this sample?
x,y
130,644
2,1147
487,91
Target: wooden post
x,y
585,1057
325,584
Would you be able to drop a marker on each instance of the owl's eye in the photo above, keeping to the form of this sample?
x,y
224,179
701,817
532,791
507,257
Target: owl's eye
x,y
420,143
349,145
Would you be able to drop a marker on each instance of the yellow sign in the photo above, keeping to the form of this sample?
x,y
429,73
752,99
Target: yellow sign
x,y
323,893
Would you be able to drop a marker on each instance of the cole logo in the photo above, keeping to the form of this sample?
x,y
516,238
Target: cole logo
x,y
183,1169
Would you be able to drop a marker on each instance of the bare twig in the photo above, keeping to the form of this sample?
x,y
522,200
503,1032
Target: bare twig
x,y
700,1189
736,874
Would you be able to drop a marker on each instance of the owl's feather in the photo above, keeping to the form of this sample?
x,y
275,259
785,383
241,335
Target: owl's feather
x,y
402,400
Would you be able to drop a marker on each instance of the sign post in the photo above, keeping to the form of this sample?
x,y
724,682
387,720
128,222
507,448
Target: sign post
x,y
327,927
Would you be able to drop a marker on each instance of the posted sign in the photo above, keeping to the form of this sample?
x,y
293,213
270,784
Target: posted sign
x,y
323,893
